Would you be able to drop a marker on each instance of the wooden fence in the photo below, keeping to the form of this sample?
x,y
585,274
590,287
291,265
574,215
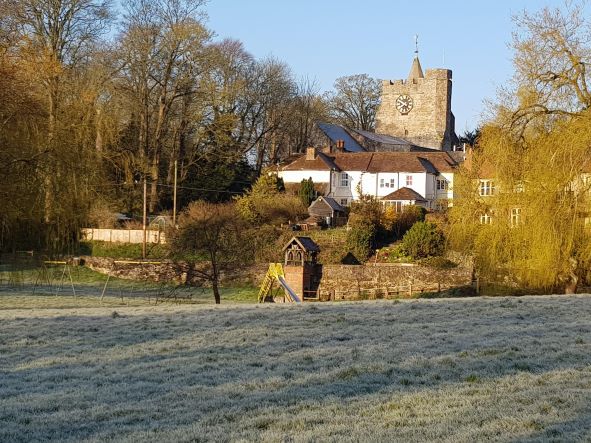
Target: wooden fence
x,y
124,235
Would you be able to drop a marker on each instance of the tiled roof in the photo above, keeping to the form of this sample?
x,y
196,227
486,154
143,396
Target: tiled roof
x,y
431,162
322,162
404,194
336,132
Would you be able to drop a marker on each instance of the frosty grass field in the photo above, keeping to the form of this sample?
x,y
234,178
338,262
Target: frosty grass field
x,y
504,369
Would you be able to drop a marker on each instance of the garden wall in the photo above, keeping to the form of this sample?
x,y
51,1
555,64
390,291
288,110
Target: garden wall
x,y
343,282
339,282
170,271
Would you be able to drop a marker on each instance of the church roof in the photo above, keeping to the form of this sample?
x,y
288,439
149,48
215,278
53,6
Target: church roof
x,y
405,194
415,70
336,132
389,143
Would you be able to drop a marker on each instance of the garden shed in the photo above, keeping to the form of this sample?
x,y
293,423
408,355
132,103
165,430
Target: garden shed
x,y
329,210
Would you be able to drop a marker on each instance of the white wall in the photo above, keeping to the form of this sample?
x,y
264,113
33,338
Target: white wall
x,y
298,176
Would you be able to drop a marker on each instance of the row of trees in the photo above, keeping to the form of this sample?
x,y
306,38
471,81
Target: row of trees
x,y
91,106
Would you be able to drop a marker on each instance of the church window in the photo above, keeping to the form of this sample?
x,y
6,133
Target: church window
x,y
409,180
486,188
344,183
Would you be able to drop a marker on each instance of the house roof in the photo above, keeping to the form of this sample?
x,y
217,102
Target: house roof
x,y
322,162
336,132
306,243
431,162
404,194
330,202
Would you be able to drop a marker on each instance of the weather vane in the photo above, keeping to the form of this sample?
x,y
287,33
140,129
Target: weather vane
x,y
417,44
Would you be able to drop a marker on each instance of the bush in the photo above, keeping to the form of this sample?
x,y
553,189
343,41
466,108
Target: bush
x,y
267,203
423,240
360,240
307,193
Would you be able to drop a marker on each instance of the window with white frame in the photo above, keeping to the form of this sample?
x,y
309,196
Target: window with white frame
x,y
515,216
487,188
409,180
441,184
382,183
344,181
344,202
519,187
485,219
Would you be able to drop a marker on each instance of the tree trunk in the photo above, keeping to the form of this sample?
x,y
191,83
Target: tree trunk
x,y
572,283
155,176
216,290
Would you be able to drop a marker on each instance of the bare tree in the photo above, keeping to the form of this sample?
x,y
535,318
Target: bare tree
x,y
355,101
552,52
216,233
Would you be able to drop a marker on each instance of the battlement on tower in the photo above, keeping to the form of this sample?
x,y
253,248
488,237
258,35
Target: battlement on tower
x,y
418,108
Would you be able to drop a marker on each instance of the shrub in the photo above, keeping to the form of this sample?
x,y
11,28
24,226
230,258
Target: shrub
x,y
307,193
423,240
360,240
267,203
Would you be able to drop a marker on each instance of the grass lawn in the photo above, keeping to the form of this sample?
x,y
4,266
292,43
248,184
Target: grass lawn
x,y
500,369
51,288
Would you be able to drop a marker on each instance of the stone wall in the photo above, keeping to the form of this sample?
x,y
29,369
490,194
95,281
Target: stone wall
x,y
430,122
338,282
171,271
343,282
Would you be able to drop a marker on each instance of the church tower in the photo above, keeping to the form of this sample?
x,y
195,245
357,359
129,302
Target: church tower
x,y
418,109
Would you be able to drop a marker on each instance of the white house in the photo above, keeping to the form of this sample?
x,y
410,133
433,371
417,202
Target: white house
x,y
427,176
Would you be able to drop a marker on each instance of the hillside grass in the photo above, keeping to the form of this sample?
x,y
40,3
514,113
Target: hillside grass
x,y
498,369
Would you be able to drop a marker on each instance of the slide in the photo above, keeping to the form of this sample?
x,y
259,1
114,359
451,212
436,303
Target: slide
x,y
294,297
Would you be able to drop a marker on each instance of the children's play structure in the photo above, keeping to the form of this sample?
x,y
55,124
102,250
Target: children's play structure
x,y
298,277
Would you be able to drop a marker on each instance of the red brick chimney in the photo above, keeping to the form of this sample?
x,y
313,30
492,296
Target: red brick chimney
x,y
340,145
311,154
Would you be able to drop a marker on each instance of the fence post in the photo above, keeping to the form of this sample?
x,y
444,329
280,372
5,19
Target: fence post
x,y
410,288
438,287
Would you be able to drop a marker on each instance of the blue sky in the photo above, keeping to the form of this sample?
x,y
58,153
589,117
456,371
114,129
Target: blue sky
x,y
326,39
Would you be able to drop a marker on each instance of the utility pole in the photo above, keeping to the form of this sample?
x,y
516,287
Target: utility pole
x,y
174,195
145,217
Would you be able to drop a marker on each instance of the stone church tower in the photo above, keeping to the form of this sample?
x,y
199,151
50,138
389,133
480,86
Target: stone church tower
x,y
418,109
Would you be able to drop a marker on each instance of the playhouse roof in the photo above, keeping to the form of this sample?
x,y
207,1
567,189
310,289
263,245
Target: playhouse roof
x,y
306,243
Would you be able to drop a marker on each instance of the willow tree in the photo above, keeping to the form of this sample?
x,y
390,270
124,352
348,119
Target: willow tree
x,y
523,199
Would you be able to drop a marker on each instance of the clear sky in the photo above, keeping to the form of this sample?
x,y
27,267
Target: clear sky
x,y
326,39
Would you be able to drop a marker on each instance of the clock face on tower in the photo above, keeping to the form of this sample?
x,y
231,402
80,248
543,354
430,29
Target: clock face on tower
x,y
404,103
